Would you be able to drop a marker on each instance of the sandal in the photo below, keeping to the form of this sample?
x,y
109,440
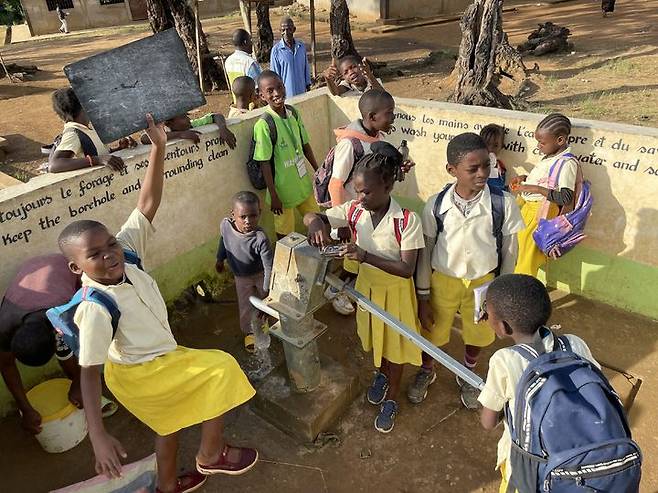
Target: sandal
x,y
189,481
247,459
250,343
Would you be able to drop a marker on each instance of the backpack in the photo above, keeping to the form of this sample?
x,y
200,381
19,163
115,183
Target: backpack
x,y
87,145
569,432
497,216
399,225
322,176
254,170
61,317
557,236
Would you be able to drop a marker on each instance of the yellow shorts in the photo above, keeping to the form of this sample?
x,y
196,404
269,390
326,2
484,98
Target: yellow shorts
x,y
284,223
450,295
531,258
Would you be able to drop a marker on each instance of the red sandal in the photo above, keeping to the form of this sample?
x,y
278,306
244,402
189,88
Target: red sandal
x,y
247,460
189,481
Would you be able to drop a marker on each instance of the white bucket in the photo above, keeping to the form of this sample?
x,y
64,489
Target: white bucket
x,y
63,425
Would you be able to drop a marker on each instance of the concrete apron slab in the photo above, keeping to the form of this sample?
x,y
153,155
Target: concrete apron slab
x,y
304,416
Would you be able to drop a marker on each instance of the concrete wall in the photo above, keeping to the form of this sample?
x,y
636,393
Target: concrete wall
x,y
370,10
89,14
200,180
618,263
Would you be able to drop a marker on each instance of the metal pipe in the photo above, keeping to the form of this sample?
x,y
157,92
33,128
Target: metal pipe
x,y
450,363
313,56
262,306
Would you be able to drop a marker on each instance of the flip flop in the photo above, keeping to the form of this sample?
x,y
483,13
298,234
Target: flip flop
x,y
108,407
250,343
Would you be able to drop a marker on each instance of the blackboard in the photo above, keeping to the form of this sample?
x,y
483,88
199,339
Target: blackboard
x,y
118,87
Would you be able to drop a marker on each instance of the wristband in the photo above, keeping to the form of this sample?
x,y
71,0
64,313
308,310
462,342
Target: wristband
x,y
90,161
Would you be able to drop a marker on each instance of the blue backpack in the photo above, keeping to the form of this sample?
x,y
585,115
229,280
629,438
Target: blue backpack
x,y
61,317
497,217
569,432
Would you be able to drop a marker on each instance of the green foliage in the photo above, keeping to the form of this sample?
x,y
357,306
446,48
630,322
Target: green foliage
x,y
11,12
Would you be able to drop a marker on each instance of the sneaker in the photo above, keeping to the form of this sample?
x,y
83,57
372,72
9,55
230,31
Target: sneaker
x,y
330,293
385,420
417,391
378,389
342,304
469,394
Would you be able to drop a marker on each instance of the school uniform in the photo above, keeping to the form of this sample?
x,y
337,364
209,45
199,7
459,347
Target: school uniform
x,y
353,90
505,369
534,206
461,258
71,142
166,386
392,293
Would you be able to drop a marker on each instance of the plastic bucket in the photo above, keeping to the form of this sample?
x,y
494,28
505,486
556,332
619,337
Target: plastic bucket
x,y
63,425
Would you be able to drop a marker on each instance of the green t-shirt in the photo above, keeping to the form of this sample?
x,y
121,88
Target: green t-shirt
x,y
203,120
290,187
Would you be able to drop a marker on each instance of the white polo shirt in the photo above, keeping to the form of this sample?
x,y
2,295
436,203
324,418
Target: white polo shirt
x,y
540,173
466,248
143,333
381,241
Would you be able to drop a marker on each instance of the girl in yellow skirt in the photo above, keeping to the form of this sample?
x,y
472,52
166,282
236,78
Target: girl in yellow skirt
x,y
166,386
387,240
549,187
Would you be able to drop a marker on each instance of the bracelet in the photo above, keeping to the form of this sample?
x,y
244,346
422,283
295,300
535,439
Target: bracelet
x,y
89,160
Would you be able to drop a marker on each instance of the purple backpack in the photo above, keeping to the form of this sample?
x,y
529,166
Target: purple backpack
x,y
557,236
323,174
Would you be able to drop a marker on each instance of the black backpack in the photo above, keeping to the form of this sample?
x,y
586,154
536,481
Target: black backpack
x,y
497,216
87,145
254,170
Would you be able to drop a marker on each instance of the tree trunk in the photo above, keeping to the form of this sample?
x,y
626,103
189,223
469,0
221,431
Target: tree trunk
x,y
341,33
264,39
165,14
483,53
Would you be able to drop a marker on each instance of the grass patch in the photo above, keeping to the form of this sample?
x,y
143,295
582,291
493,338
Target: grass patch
x,y
621,66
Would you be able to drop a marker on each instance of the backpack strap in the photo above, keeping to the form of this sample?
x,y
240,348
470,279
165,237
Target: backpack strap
x,y
87,145
271,126
96,296
357,153
400,224
132,258
498,219
437,209
353,215
561,343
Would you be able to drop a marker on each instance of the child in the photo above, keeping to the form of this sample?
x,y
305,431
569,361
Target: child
x,y
166,386
494,136
79,145
249,254
540,197
462,256
180,127
518,307
244,93
289,186
388,239
356,74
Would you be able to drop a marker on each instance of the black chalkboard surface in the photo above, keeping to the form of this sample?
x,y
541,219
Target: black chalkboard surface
x,y
118,87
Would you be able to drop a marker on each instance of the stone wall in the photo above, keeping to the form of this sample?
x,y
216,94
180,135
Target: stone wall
x,y
618,262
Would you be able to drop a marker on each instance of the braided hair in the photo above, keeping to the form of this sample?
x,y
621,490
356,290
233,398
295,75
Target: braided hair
x,y
492,132
385,160
556,124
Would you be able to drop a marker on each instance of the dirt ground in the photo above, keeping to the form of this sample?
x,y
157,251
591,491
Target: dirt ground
x,y
611,74
437,446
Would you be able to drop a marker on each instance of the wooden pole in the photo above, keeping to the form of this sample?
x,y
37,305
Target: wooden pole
x,y
313,57
198,43
249,15
246,15
6,71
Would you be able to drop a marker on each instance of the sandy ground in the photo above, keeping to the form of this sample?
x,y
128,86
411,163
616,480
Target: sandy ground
x,y
436,446
611,75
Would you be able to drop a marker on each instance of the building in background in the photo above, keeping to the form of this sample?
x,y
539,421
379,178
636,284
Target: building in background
x,y
388,10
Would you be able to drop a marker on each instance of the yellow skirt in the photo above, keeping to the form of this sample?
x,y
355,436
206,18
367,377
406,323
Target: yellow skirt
x,y
397,296
351,266
531,258
179,389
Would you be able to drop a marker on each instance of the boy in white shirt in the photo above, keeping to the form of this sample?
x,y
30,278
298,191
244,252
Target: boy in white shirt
x,y
461,256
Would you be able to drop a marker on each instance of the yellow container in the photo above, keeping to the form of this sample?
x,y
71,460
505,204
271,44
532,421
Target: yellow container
x,y
63,425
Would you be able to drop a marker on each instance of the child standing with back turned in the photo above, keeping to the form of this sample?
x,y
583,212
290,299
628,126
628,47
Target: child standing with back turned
x,y
166,386
289,185
550,186
470,235
387,241
246,247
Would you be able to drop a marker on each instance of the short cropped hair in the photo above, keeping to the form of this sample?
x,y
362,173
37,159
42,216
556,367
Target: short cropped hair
x,y
349,58
33,343
286,19
520,300
373,101
243,85
246,197
74,230
240,37
461,145
66,104
267,74
556,124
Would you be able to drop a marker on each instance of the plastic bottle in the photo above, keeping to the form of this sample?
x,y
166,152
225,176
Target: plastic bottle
x,y
404,150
